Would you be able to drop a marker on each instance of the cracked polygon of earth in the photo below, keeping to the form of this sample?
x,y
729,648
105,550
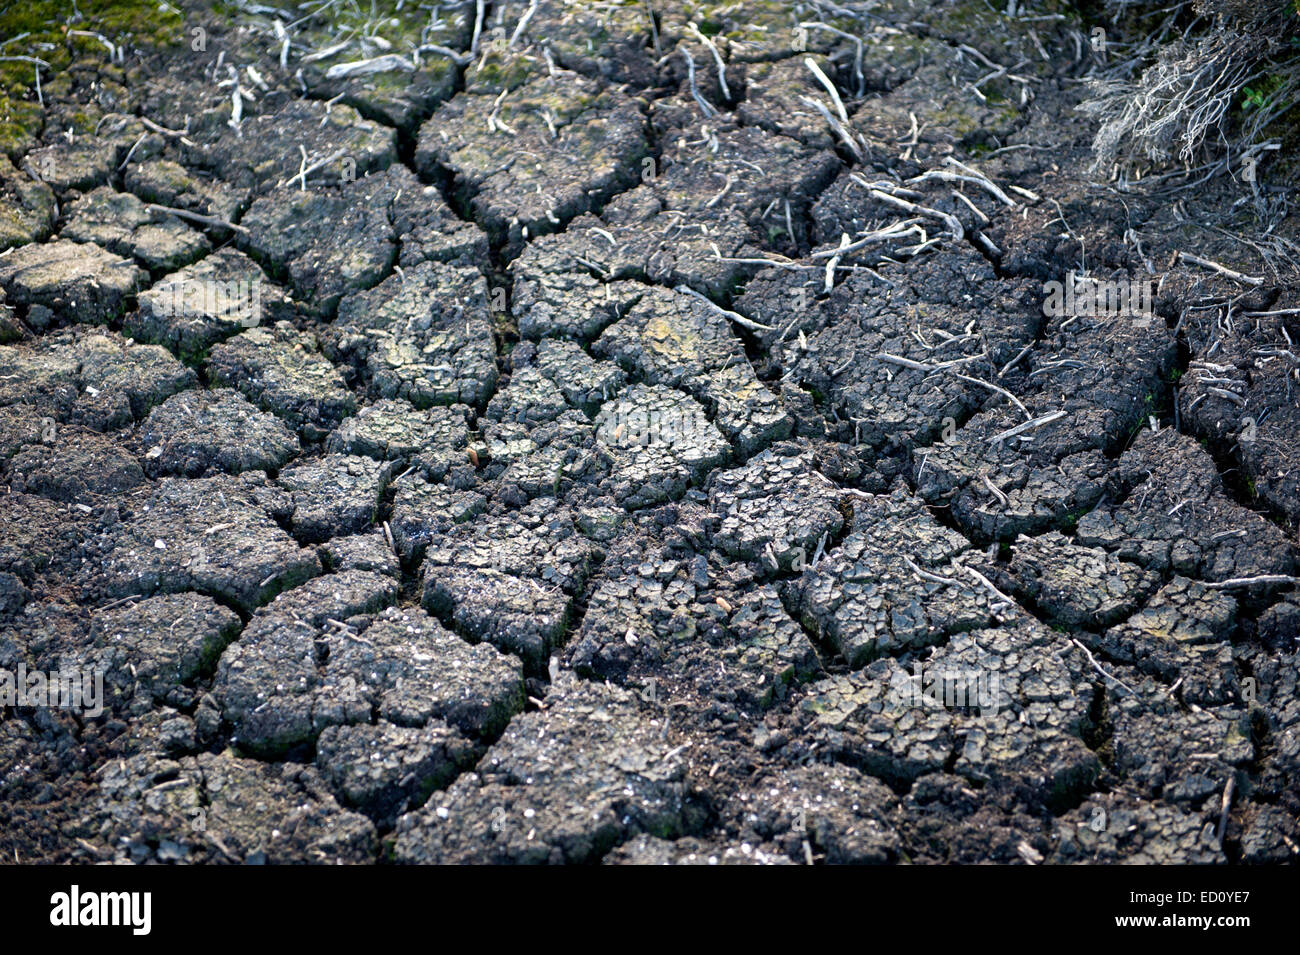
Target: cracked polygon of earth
x,y
281,370
679,341
184,100
95,378
1268,836
1177,517
158,647
865,601
361,552
775,508
646,607
384,770
755,168
1044,754
960,278
942,113
121,380
661,442
585,383
270,684
766,649
335,240
612,42
38,381
773,100
1277,680
1042,489
1033,246
888,60
882,403
27,211
425,336
1108,369
1182,636
974,25
673,247
119,222
40,534
199,432
279,688
422,509
547,460
654,618
335,495
544,173
222,808
509,580
499,68
198,306
600,520
1103,374
1169,751
434,439
264,150
1110,828
426,227
687,223
330,599
218,537
843,815
78,465
554,294
840,210
85,162
168,183
398,99
328,240
1007,707
1278,624
429,673
1077,586
1259,363
752,33
565,784
395,97
77,282
530,398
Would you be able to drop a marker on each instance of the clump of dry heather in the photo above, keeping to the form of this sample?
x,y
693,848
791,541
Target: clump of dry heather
x,y
1213,90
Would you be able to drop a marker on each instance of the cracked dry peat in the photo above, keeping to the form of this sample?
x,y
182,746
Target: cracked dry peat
x,y
557,432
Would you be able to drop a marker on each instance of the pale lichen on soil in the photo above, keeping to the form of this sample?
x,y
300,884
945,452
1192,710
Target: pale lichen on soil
x,y
631,432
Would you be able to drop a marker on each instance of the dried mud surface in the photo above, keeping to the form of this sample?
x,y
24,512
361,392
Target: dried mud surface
x,y
568,498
